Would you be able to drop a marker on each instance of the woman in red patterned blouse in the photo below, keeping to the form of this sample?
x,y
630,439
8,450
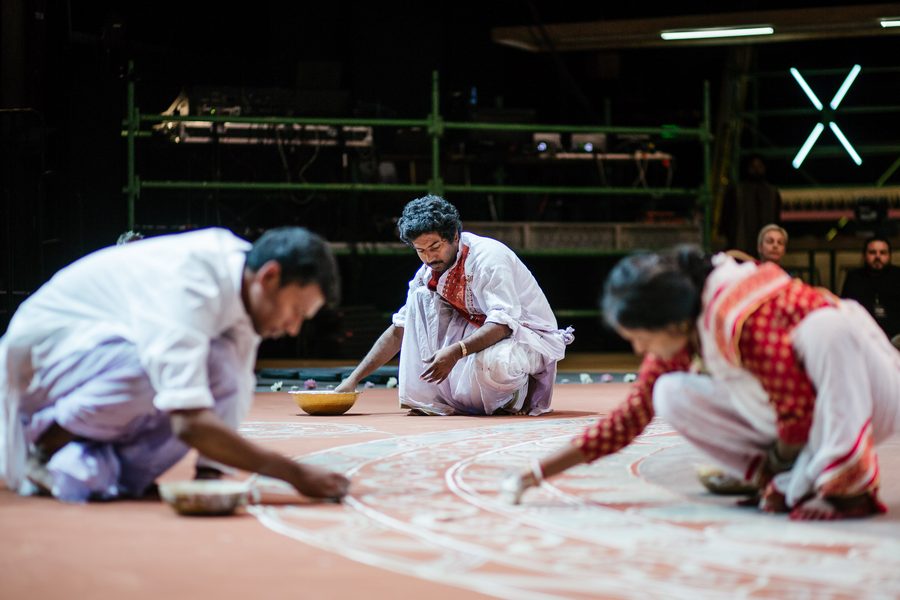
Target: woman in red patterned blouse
x,y
797,386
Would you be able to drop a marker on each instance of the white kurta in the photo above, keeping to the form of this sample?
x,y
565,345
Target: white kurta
x,y
515,374
168,296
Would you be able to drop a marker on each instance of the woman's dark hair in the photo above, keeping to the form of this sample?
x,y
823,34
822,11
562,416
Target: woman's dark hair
x,y
653,290
426,215
304,258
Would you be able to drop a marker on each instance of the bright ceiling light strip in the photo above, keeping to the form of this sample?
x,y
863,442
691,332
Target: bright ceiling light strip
x,y
698,34
845,143
842,91
807,145
809,93
890,22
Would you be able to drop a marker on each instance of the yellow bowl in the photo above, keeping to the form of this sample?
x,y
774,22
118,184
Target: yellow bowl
x,y
204,497
324,402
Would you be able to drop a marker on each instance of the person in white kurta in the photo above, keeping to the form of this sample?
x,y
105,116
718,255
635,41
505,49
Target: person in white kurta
x,y
125,355
476,334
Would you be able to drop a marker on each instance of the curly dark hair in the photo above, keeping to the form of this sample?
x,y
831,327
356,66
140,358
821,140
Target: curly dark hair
x,y
426,215
304,258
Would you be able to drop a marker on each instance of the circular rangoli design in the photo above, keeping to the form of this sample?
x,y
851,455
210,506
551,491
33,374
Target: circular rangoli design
x,y
636,524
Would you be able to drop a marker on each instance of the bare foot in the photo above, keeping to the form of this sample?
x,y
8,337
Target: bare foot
x,y
37,473
830,508
773,501
316,482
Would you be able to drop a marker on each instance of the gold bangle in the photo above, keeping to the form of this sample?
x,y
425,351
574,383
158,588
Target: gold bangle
x,y
462,347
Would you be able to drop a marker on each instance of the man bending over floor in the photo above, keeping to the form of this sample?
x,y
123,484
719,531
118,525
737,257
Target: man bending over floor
x,y
476,335
134,354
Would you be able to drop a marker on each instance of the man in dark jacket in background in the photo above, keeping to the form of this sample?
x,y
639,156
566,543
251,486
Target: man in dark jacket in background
x,y
876,286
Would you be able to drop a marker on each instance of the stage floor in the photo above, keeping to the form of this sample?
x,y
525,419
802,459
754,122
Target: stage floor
x,y
424,520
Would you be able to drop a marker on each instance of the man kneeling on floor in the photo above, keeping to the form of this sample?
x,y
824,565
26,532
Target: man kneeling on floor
x,y
476,335
131,356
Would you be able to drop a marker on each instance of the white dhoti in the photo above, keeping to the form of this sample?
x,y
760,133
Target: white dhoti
x,y
105,399
493,380
856,374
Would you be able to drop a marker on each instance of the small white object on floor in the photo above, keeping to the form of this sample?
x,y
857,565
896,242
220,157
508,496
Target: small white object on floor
x,y
585,378
368,385
512,488
276,387
391,382
629,378
606,378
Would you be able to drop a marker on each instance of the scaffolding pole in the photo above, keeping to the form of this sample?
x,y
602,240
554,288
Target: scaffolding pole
x,y
435,126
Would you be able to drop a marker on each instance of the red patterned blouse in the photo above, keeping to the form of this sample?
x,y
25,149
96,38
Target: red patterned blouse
x,y
766,352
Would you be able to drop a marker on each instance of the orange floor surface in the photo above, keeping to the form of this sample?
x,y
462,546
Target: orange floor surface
x,y
424,520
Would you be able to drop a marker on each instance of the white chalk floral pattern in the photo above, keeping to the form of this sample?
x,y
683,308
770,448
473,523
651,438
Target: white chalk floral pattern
x,y
264,430
634,525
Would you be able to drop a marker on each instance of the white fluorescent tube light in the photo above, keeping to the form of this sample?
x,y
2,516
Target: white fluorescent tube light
x,y
809,93
890,22
807,145
718,32
848,81
845,143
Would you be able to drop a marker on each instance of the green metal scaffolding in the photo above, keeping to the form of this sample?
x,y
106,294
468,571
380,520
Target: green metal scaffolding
x,y
435,126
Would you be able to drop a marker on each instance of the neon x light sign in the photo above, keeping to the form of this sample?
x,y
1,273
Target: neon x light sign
x,y
826,117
